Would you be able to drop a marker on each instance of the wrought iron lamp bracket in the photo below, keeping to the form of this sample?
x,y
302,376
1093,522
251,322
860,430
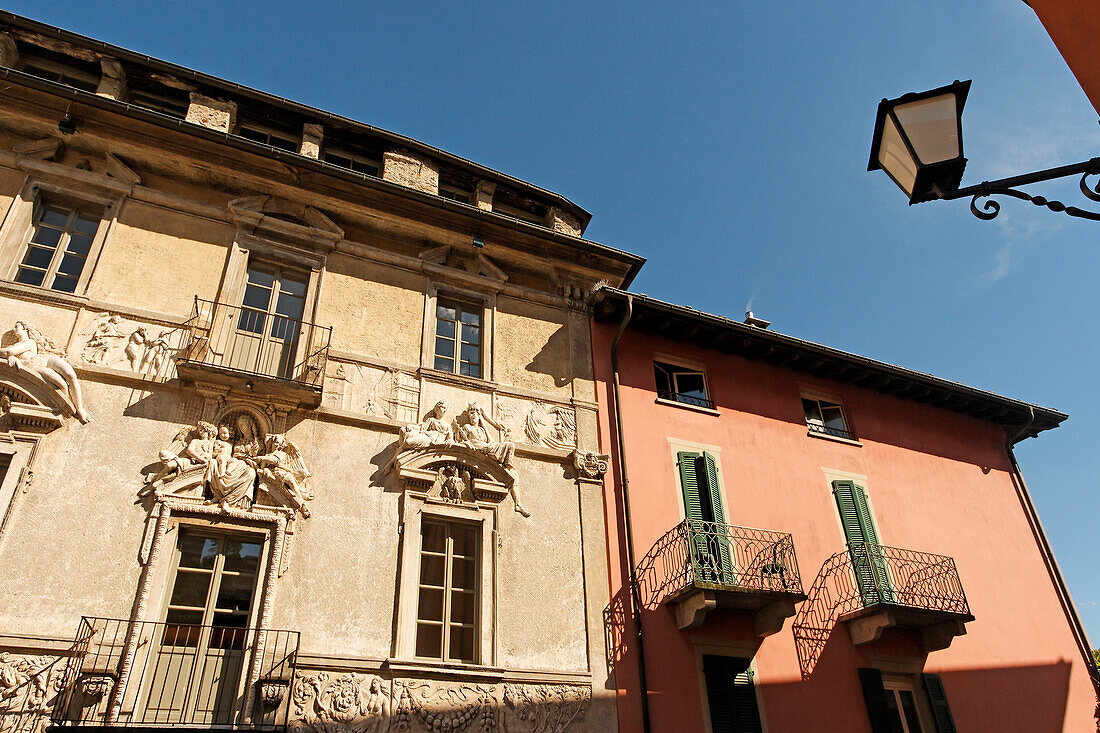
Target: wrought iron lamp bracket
x,y
990,208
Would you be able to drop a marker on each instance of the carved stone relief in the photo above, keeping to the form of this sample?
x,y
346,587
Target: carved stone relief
x,y
358,388
233,466
28,689
590,465
149,351
534,422
364,703
25,349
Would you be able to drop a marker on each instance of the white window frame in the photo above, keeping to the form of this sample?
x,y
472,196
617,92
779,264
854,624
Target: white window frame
x,y
686,365
415,507
832,399
354,157
897,683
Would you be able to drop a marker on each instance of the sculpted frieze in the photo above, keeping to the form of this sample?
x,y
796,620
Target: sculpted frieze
x,y
28,689
27,351
346,703
140,348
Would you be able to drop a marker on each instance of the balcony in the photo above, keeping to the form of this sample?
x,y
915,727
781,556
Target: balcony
x,y
162,676
250,350
872,588
699,567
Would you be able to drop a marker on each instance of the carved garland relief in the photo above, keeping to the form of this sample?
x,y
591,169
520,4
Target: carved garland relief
x,y
28,689
365,703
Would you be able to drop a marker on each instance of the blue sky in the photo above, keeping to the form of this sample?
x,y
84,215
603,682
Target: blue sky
x,y
728,143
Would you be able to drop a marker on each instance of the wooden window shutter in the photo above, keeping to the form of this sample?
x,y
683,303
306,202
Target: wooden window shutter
x,y
878,709
707,470
721,568
859,529
689,484
730,695
937,700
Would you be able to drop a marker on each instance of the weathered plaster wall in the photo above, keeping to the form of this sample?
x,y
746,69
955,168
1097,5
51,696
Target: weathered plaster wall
x,y
937,481
533,347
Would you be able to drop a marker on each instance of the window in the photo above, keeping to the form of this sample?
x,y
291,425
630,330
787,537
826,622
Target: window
x,y
710,553
731,698
61,73
269,137
871,567
447,603
352,162
458,337
159,103
455,194
826,418
58,248
516,213
681,384
897,704
270,322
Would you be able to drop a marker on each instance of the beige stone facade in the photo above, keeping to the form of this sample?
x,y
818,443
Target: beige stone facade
x,y
132,254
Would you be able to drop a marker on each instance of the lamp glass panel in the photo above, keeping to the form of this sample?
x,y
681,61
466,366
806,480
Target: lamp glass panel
x,y
932,126
893,155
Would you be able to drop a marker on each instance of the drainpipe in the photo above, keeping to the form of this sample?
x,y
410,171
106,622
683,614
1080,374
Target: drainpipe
x,y
624,483
1048,558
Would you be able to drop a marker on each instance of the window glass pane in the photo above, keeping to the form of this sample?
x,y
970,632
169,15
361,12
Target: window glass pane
x,y
691,384
430,607
462,573
444,347
662,378
29,277
444,365
429,641
433,537
256,297
38,257
462,644
190,589
892,708
832,416
71,265
290,306
64,284
465,541
812,411
54,216
197,551
444,309
471,334
79,244
46,236
431,569
187,632
909,707
242,556
471,353
261,277
445,329
235,593
230,632
293,285
471,317
463,607
467,369
85,225
339,160
251,320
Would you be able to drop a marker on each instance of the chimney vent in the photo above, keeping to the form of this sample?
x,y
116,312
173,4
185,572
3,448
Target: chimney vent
x,y
754,321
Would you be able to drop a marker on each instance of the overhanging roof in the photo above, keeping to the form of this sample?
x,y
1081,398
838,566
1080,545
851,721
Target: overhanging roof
x,y
677,322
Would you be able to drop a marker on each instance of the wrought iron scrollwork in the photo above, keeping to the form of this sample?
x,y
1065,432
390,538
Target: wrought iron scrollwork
x,y
990,208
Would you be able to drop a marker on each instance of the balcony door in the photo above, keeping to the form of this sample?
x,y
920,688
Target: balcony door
x,y
708,541
868,559
205,643
269,325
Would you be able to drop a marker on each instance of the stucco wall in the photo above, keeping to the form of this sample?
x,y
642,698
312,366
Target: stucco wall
x,y
937,481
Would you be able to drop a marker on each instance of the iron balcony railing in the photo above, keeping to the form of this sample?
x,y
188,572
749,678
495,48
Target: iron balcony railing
x,y
251,341
156,674
816,427
697,553
686,399
864,576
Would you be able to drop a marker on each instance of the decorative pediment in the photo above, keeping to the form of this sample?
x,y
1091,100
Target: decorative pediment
x,y
118,170
454,473
281,218
49,148
20,411
469,260
35,368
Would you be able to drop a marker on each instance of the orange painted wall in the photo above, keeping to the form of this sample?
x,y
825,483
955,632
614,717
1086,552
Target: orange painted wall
x,y
938,482
1074,26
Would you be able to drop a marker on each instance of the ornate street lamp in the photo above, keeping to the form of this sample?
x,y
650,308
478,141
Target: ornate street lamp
x,y
918,142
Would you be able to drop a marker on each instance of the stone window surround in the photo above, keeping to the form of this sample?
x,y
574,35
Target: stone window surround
x,y
858,479
20,447
249,247
414,506
17,227
726,648
488,302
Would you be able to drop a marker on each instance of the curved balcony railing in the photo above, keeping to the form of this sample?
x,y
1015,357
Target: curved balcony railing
x,y
716,554
251,341
147,674
867,575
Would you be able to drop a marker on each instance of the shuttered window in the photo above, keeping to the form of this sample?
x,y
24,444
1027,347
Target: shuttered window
x,y
870,566
893,705
709,545
937,701
730,695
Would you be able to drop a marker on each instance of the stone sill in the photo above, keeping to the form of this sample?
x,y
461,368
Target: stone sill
x,y
686,406
834,438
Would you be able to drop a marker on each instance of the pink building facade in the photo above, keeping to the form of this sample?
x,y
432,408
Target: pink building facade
x,y
820,541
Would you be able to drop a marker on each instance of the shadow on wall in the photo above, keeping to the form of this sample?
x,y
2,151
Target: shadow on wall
x,y
549,359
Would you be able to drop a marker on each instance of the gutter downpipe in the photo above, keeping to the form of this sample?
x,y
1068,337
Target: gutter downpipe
x,y
624,483
1048,558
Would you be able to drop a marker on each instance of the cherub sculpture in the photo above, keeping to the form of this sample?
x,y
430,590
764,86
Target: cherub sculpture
x,y
192,447
41,359
452,484
230,479
283,472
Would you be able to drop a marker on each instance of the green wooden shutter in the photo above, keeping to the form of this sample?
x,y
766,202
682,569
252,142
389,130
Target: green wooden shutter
x,y
730,695
706,468
859,529
689,484
937,700
696,540
883,720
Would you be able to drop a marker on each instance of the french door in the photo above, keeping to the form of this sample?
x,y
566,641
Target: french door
x,y
269,325
205,643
